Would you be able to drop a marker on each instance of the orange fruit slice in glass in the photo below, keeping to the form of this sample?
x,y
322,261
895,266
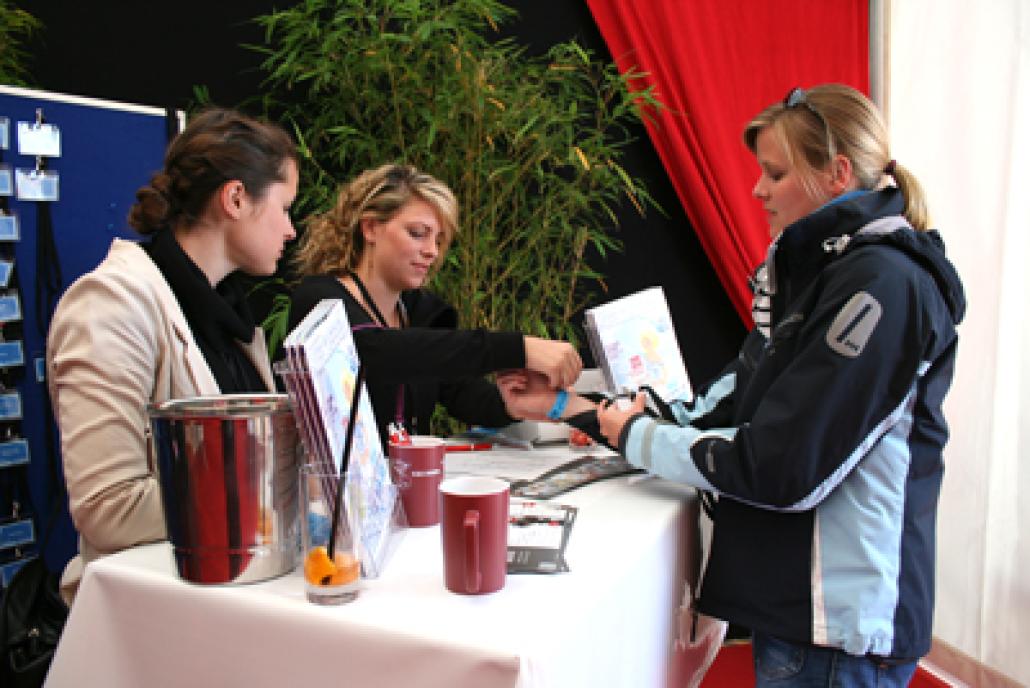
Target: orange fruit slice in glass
x,y
319,570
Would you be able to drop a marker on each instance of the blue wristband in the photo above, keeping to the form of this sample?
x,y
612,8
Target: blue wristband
x,y
559,405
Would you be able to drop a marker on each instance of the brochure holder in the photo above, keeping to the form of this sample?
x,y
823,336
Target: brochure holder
x,y
371,500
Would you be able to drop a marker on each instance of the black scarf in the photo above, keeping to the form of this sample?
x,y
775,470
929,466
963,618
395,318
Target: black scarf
x,y
219,318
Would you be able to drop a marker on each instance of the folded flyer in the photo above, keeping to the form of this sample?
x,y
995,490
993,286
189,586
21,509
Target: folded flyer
x,y
538,532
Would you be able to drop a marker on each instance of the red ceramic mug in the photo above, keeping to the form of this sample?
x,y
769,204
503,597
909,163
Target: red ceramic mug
x,y
416,470
474,529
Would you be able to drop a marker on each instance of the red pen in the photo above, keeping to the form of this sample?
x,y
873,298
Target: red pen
x,y
476,446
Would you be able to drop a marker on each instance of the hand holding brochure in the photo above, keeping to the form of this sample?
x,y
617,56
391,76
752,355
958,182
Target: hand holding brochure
x,y
634,344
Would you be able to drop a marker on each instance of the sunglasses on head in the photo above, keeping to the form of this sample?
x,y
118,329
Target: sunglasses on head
x,y
397,174
796,98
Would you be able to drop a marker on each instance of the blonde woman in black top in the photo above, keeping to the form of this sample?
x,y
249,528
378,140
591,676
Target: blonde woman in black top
x,y
375,249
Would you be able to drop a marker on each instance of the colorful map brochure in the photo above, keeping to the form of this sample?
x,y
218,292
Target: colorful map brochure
x,y
634,344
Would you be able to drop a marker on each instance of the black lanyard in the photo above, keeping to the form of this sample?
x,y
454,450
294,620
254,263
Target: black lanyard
x,y
376,314
398,415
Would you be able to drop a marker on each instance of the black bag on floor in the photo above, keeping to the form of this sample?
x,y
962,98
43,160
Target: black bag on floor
x,y
31,619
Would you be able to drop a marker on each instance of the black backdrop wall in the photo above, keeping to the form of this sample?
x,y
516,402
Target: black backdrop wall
x,y
154,53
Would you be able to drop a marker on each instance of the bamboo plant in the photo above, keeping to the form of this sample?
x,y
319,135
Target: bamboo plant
x,y
530,145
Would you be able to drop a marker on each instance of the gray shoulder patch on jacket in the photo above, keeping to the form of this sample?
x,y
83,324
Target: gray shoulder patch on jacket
x,y
853,326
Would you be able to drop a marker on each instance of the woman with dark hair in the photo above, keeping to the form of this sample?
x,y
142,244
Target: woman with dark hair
x,y
166,319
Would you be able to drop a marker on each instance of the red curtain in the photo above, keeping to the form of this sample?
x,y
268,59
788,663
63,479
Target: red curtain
x,y
715,64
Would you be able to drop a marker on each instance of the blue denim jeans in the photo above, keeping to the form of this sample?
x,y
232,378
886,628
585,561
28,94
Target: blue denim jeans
x,y
782,664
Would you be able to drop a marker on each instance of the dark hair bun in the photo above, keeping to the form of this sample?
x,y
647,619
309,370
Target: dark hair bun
x,y
151,210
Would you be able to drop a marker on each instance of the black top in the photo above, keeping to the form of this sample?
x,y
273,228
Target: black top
x,y
430,359
219,318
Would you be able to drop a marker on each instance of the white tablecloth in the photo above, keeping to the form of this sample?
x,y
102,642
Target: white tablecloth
x,y
608,622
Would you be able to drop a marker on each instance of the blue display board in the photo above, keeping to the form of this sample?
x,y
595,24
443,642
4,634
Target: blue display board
x,y
108,150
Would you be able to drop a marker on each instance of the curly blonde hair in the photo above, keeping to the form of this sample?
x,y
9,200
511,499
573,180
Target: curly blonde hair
x,y
831,119
333,243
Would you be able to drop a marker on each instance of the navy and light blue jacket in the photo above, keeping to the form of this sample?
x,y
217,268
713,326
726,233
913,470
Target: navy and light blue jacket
x,y
824,441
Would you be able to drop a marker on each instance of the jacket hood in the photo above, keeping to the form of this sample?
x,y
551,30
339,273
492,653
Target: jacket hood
x,y
927,250
806,246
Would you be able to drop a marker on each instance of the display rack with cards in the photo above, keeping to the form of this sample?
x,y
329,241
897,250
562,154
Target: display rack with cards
x,y
17,528
37,140
107,151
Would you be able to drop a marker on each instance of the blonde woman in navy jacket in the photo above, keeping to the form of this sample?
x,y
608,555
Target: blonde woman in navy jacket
x,y
165,319
823,442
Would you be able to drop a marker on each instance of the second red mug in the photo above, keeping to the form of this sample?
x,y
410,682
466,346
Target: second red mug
x,y
417,469
474,530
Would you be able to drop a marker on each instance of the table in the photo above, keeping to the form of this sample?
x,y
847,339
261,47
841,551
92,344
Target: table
x,y
608,622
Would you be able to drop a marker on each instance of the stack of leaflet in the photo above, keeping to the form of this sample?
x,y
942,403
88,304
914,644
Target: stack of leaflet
x,y
320,370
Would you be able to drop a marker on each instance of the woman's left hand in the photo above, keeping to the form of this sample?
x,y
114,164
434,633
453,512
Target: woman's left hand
x,y
558,361
613,419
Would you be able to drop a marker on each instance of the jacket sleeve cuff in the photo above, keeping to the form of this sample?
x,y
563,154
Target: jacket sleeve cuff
x,y
664,449
624,435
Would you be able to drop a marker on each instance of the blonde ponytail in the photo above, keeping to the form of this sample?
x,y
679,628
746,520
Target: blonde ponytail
x,y
916,211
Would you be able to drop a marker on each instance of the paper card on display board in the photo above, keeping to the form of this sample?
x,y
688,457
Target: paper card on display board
x,y
39,139
37,185
14,453
17,533
6,181
11,354
10,405
6,268
10,307
9,228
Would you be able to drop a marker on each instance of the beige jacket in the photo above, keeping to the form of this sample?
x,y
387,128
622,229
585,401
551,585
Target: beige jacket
x,y
118,341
